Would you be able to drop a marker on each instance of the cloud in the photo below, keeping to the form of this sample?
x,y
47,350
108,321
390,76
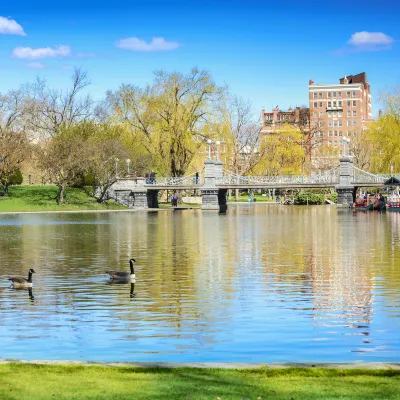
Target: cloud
x,y
156,44
36,65
40,53
10,27
367,41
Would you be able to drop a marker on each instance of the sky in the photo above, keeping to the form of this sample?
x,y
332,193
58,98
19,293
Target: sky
x,y
265,51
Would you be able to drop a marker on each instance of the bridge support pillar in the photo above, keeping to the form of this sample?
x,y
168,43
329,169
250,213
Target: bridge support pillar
x,y
152,198
140,198
124,196
222,195
345,188
209,192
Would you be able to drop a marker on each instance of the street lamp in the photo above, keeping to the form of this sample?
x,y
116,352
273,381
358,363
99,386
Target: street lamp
x,y
116,167
217,143
128,161
209,141
346,140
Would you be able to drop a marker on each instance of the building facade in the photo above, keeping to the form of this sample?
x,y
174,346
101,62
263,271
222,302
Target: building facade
x,y
338,110
273,121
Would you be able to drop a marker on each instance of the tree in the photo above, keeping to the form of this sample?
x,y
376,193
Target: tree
x,y
14,144
168,117
49,110
63,158
282,152
361,150
383,135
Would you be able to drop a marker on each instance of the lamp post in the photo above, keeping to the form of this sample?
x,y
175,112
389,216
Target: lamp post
x,y
209,141
116,167
344,140
217,143
128,162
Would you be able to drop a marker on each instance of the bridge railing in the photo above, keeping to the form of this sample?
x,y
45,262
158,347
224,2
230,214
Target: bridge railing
x,y
188,180
360,176
327,177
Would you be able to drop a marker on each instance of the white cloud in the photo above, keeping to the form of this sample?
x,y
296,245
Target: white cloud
x,y
156,44
35,64
370,41
10,27
40,53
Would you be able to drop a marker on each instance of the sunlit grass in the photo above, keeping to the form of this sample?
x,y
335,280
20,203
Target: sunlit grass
x,y
42,382
43,198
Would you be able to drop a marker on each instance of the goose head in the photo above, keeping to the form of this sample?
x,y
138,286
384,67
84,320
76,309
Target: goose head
x,y
32,271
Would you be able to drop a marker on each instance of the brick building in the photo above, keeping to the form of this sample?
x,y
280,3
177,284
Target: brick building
x,y
338,110
273,121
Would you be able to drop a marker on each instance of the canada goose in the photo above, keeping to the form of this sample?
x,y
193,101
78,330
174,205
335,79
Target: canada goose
x,y
123,276
19,281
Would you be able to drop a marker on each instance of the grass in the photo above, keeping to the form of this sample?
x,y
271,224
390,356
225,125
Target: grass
x,y
42,382
43,198
169,206
245,199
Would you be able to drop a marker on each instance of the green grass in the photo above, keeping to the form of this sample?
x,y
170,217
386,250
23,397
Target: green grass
x,y
43,198
42,382
169,206
245,199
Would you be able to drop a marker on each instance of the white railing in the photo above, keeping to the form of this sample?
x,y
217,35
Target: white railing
x,y
188,180
327,177
360,176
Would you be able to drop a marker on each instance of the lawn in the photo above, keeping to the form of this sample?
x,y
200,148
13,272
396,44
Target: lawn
x,y
42,382
43,198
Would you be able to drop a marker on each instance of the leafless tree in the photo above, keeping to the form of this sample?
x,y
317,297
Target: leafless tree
x,y
50,109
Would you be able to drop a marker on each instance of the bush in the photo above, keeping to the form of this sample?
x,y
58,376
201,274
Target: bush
x,y
16,178
309,198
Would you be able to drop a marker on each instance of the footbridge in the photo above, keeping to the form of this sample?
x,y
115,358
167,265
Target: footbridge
x,y
213,182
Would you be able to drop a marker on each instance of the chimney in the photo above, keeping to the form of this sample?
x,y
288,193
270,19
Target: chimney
x,y
297,114
263,116
345,81
311,82
275,116
379,113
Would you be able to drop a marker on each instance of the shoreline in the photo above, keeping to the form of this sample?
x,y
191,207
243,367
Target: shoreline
x,y
212,365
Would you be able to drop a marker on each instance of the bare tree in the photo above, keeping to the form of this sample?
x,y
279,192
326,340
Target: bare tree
x,y
361,150
50,109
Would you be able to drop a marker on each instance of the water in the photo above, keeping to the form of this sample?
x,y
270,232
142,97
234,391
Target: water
x,y
260,284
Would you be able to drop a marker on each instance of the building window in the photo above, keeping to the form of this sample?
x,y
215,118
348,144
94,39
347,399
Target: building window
x,y
340,123
321,124
339,95
330,133
329,114
335,114
340,133
335,123
321,134
354,113
320,104
354,94
315,104
335,133
348,103
315,115
354,103
333,94
330,124
335,142
340,114
348,113
320,95
329,94
315,95
354,123
340,104
348,123
329,104
347,94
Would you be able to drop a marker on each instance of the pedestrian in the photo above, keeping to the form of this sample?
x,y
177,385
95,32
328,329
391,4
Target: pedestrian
x,y
196,178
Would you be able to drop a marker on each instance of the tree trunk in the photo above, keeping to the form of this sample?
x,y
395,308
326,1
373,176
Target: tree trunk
x,y
60,196
6,185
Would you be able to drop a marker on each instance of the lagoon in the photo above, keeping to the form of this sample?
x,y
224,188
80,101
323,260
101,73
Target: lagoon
x,y
262,284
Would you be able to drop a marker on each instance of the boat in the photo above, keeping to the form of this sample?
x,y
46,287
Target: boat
x,y
364,204
393,202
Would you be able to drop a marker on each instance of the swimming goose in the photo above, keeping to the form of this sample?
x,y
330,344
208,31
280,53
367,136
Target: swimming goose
x,y
19,281
123,276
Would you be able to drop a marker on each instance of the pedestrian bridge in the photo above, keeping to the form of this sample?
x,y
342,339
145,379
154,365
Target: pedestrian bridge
x,y
213,181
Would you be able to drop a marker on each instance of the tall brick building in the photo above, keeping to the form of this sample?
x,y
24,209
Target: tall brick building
x,y
338,110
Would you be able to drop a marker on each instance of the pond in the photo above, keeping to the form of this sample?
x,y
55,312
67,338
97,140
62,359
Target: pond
x,y
263,283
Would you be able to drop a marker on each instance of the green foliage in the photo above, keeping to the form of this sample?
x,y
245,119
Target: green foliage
x,y
306,197
16,178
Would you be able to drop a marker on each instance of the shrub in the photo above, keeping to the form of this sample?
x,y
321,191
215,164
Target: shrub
x,y
309,198
16,178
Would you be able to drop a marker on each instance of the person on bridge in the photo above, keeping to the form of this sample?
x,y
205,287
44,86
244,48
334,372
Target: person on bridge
x,y
196,178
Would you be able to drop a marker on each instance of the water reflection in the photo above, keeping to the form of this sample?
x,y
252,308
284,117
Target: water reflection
x,y
261,283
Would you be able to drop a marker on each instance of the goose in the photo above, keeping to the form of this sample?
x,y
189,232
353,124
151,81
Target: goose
x,y
123,276
19,281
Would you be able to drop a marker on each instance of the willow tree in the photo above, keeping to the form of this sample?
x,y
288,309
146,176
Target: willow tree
x,y
168,117
384,135
283,155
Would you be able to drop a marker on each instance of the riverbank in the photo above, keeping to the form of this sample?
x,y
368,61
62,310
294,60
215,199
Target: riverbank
x,y
38,198
42,382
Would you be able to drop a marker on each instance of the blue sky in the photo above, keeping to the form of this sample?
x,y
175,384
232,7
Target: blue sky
x,y
265,51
